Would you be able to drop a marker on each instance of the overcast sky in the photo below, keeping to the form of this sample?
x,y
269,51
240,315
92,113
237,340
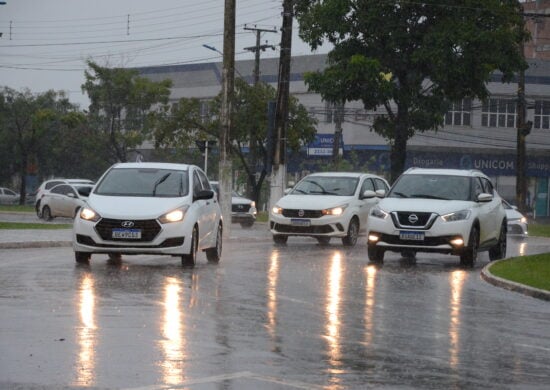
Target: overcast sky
x,y
45,44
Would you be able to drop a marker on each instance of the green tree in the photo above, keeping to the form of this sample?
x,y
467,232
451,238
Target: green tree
x,y
30,124
412,58
186,124
124,106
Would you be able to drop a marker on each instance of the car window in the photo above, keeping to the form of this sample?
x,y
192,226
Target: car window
x,y
197,185
51,184
478,187
204,180
380,184
487,186
61,189
429,186
326,185
367,185
144,182
9,192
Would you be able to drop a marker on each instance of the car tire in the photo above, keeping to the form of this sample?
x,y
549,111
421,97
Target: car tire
x,y
499,250
46,213
213,255
82,257
279,239
468,256
376,255
190,259
37,209
323,240
353,232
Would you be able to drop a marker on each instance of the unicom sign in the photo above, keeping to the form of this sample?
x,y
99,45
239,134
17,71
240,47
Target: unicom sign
x,y
323,145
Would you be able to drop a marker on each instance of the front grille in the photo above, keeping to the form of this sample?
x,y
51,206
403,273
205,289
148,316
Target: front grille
x,y
240,208
323,229
295,213
419,220
169,242
428,241
150,228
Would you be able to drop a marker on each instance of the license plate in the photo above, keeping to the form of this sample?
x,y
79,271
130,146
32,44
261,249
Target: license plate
x,y
411,235
133,234
300,222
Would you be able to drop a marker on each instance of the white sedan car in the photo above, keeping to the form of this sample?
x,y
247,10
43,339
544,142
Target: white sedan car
x,y
517,222
8,196
326,205
150,208
64,200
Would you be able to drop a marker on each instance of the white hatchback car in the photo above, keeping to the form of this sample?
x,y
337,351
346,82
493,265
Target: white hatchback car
x,y
439,210
150,208
64,200
325,205
243,210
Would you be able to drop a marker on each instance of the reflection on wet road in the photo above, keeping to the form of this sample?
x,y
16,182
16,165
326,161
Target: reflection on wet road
x,y
297,316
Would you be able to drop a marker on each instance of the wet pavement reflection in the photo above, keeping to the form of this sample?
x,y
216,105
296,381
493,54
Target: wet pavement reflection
x,y
296,316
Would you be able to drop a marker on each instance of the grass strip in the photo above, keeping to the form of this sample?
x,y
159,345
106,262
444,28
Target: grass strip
x,y
532,270
539,230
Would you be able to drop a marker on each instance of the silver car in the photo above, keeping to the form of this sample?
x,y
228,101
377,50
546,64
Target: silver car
x,y
64,200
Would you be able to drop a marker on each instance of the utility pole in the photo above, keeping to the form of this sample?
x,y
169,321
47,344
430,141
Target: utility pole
x,y
253,191
228,82
338,119
278,174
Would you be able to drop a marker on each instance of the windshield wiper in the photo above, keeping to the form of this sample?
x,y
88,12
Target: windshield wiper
x,y
427,196
159,181
400,194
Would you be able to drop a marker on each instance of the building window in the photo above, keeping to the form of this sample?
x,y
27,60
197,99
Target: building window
x,y
498,113
542,114
459,114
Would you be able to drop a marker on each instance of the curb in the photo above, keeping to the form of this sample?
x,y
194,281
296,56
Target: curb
x,y
513,286
34,244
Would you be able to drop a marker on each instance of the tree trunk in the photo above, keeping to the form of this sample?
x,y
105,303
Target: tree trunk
x,y
398,154
22,175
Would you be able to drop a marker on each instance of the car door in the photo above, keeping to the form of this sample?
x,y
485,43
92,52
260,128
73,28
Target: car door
x,y
483,209
365,204
493,209
203,207
61,204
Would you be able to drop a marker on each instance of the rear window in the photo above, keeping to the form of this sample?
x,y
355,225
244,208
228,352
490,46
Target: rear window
x,y
144,182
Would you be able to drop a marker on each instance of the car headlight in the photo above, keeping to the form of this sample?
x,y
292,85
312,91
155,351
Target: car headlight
x,y
377,212
173,216
277,210
456,216
89,214
523,220
253,204
335,210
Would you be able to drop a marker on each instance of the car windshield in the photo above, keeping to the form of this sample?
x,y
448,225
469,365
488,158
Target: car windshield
x,y
432,187
145,182
326,185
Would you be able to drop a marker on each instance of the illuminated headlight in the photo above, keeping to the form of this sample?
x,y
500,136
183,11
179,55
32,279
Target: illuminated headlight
x,y
456,216
253,204
335,210
88,214
277,210
523,220
173,216
377,212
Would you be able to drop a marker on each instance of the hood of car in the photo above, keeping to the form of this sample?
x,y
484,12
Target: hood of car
x,y
128,207
512,214
312,202
240,200
440,207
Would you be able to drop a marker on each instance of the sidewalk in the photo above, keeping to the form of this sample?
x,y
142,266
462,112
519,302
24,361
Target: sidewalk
x,y
33,238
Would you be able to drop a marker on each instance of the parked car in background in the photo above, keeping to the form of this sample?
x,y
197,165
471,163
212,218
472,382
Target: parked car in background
x,y
517,222
325,205
243,210
64,200
150,208
448,211
8,196
48,185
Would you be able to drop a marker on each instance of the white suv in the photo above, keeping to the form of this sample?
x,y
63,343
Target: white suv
x,y
439,210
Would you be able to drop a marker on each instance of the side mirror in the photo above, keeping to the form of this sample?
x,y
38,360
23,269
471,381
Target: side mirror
x,y
484,197
368,194
381,193
203,194
287,191
71,195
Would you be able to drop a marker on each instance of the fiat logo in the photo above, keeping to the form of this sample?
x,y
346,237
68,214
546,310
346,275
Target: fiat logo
x,y
301,213
127,224
413,218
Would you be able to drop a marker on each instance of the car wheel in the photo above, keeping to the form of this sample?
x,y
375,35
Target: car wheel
x,y
46,213
376,255
323,240
353,232
247,224
499,250
37,209
279,239
213,255
469,254
191,258
82,257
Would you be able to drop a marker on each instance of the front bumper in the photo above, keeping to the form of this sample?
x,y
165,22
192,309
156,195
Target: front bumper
x,y
329,226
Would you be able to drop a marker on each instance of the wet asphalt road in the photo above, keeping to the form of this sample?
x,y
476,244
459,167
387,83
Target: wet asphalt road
x,y
299,316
